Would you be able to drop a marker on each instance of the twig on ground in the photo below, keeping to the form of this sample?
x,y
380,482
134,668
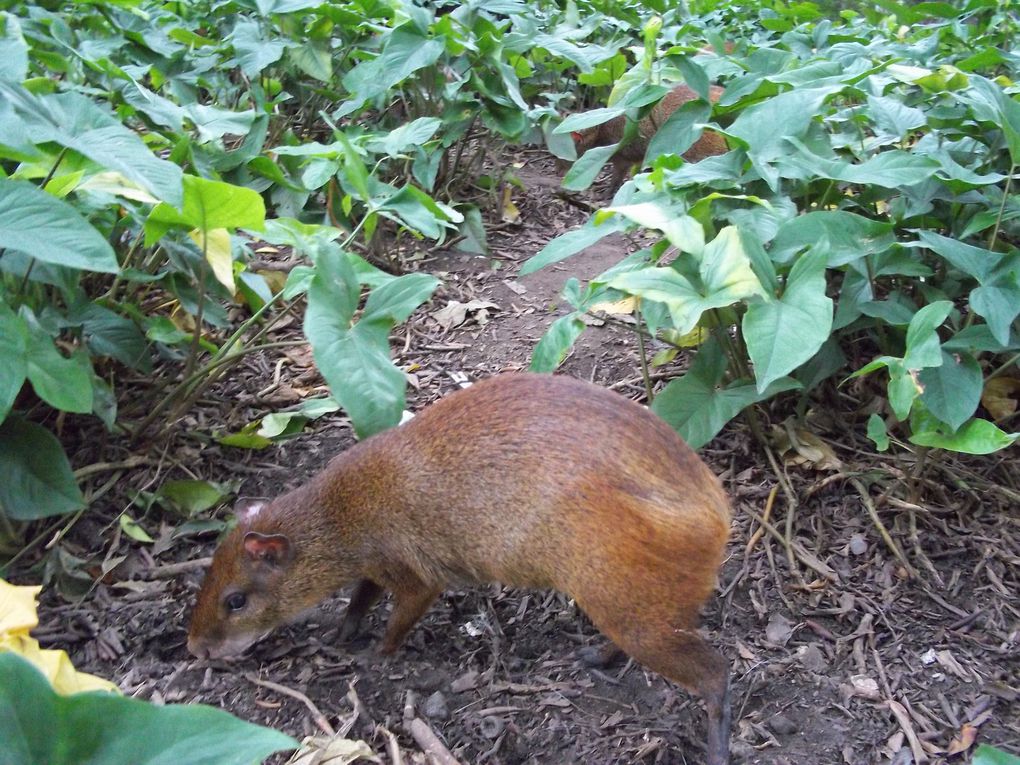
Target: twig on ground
x,y
889,541
317,717
430,743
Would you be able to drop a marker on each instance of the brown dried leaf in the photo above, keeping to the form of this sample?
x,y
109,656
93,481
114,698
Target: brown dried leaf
x,y
963,740
779,629
1000,397
455,313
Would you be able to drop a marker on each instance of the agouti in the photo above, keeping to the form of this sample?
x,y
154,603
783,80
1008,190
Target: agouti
x,y
524,479
610,132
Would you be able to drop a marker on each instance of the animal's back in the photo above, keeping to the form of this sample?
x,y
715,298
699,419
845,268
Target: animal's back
x,y
522,474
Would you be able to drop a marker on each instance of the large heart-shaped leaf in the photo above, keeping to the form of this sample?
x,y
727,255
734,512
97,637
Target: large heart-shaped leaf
x,y
783,334
40,727
26,211
35,477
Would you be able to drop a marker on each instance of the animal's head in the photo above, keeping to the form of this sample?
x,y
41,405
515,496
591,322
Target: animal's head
x,y
259,579
584,139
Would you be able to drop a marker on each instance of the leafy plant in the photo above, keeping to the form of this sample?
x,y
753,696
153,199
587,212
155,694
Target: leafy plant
x,y
862,224
41,727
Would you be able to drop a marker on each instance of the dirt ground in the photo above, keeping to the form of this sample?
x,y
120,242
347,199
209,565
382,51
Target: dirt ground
x,y
844,659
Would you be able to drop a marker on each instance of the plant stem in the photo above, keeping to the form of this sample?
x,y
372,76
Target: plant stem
x,y
1002,208
643,357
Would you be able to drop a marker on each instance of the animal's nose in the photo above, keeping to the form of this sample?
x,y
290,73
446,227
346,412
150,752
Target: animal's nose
x,y
198,648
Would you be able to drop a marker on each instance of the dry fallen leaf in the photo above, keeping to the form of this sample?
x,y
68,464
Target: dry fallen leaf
x,y
1000,397
323,750
802,447
779,629
963,740
455,313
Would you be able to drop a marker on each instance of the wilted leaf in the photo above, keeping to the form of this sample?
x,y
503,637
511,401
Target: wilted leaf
x,y
1000,397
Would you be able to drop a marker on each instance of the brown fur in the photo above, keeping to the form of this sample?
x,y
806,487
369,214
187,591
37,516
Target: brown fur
x,y
529,480
708,144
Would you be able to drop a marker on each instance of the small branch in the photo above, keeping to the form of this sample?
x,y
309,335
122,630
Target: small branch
x,y
317,716
890,543
430,744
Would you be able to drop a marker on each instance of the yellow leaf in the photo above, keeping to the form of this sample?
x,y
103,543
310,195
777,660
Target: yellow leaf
x,y
618,307
691,339
17,618
510,212
275,279
112,182
216,245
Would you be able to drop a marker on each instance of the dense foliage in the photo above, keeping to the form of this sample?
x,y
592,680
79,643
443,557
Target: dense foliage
x,y
864,222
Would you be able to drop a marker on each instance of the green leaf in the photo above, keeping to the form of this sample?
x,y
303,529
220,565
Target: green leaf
x,y
877,432
679,132
973,261
417,210
766,126
556,342
405,52
35,478
407,136
208,205
895,117
13,50
952,390
192,497
571,243
577,122
40,727
683,232
314,59
109,334
75,121
584,171
999,304
726,276
976,437
355,360
697,406
62,382
14,340
783,334
254,51
26,210
989,755
923,345
891,169
130,527
396,300
847,237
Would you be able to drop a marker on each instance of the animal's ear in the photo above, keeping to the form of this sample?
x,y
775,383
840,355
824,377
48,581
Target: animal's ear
x,y
246,508
274,549
576,135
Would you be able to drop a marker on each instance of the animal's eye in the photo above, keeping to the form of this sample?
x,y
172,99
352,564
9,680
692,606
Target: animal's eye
x,y
235,601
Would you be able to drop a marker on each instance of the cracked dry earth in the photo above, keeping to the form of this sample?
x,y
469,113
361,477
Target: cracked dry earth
x,y
838,657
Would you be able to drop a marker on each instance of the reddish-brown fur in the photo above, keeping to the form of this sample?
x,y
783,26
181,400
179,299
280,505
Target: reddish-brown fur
x,y
708,144
529,480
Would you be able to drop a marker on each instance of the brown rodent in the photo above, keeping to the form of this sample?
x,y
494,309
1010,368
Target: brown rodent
x,y
612,131
525,479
